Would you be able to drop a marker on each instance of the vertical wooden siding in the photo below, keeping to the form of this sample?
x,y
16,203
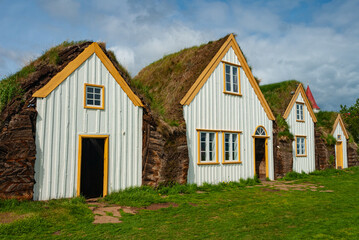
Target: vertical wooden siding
x,y
62,118
339,131
212,109
306,128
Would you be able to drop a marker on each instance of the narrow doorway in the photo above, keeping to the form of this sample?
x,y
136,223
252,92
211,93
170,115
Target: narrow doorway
x,y
339,152
260,141
93,161
260,158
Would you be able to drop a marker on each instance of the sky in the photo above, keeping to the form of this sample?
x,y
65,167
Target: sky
x,y
313,41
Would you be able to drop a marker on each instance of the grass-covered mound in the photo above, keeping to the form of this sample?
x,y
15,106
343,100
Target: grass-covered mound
x,y
278,95
165,82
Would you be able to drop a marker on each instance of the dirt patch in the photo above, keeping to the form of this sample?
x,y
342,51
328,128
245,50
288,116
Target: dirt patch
x,y
290,185
7,217
157,206
111,213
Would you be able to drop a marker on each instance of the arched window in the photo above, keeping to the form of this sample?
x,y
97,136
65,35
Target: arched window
x,y
260,132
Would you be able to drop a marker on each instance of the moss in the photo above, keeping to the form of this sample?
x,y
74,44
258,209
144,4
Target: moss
x,y
330,140
278,95
331,160
326,120
165,82
10,86
283,128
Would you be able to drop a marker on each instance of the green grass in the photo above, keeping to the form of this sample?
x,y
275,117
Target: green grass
x,y
10,86
224,211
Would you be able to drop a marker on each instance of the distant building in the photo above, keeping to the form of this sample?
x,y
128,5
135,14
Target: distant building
x,y
309,94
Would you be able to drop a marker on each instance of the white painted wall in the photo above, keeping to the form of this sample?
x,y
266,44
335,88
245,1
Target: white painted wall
x,y
339,130
306,164
62,118
212,109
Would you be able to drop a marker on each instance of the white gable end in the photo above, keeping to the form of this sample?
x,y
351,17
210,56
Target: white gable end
x,y
212,109
302,129
62,118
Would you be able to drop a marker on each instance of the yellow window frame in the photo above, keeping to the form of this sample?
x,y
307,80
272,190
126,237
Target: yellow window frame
x,y
296,115
224,161
296,145
238,75
102,99
199,162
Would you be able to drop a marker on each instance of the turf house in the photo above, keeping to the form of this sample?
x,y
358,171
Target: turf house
x,y
208,97
74,128
294,130
341,135
279,96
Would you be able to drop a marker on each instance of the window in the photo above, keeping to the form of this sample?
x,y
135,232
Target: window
x,y
260,132
300,116
231,79
94,96
339,137
207,147
301,146
230,147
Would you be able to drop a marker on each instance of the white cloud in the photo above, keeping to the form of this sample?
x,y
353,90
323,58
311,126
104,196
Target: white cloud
x,y
61,8
316,43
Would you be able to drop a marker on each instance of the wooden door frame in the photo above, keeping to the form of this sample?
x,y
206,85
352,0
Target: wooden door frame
x,y
105,162
265,146
337,154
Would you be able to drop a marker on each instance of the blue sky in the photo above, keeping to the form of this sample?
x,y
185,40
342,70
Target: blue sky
x,y
316,42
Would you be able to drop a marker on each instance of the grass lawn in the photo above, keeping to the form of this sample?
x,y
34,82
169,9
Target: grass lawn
x,y
224,211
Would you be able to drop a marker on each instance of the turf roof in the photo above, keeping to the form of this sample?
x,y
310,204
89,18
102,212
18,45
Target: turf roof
x,y
17,89
278,95
165,82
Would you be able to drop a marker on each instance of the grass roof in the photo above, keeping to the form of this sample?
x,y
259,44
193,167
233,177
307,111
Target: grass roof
x,y
165,82
278,95
17,89
51,61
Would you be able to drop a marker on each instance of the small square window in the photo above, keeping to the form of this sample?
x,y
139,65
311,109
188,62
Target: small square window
x,y
94,96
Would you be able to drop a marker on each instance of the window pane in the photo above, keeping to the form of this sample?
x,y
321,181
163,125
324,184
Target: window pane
x,y
211,137
228,82
211,156
235,88
97,90
98,103
203,156
226,156
234,69
203,136
97,96
228,69
89,102
203,146
90,95
89,89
